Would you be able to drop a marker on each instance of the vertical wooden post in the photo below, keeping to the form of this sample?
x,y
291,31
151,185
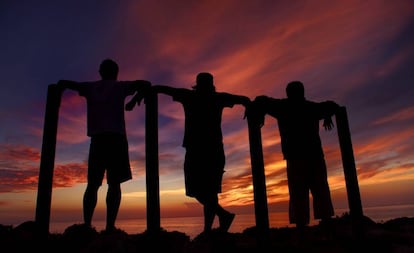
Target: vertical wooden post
x,y
152,174
351,179
259,180
348,161
47,159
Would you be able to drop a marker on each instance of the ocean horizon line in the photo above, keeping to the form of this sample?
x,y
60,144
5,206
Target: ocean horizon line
x,y
193,225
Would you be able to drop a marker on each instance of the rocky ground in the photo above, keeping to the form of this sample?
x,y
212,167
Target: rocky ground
x,y
344,236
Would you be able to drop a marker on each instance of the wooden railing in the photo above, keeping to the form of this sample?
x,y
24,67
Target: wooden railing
x,y
47,161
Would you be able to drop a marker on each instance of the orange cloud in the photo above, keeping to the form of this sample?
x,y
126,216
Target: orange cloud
x,y
67,175
11,152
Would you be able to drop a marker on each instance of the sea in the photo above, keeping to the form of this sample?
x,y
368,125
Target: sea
x,y
192,226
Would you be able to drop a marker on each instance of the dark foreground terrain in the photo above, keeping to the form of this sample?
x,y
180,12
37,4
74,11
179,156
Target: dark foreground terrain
x,y
344,236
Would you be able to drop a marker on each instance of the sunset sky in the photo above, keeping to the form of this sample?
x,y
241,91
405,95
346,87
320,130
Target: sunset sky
x,y
357,53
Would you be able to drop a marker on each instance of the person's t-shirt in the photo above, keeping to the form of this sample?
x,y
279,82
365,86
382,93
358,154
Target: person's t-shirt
x,y
203,113
105,105
299,126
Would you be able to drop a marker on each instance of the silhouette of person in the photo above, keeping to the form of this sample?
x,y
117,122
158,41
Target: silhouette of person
x,y
203,140
108,150
298,121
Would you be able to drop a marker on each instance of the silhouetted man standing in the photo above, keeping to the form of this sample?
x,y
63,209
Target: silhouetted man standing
x,y
203,140
108,149
298,121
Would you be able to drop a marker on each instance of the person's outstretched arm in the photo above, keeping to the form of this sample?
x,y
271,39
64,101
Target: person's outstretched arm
x,y
155,88
330,109
164,89
263,105
328,124
256,110
142,88
243,100
68,84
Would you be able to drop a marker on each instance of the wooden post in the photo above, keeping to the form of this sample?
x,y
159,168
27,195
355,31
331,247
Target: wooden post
x,y
47,159
259,180
348,161
152,174
351,179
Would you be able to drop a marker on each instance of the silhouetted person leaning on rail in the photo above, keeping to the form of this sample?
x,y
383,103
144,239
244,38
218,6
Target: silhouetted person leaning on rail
x,y
203,140
108,149
298,120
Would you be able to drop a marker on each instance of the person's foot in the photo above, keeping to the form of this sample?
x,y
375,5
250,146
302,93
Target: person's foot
x,y
225,221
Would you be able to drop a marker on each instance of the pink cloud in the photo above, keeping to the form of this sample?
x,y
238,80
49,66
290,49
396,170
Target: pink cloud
x,y
72,119
264,50
399,116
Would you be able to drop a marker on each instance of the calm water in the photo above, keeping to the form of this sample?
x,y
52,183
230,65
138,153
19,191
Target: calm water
x,y
192,226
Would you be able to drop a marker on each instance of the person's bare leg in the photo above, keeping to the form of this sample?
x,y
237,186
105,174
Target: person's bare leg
x,y
209,215
113,201
208,210
90,199
225,218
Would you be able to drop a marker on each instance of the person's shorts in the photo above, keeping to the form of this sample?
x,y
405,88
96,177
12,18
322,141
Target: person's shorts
x,y
203,171
108,152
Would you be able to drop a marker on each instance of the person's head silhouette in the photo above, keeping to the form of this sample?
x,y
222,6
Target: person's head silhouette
x,y
295,90
204,82
108,70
